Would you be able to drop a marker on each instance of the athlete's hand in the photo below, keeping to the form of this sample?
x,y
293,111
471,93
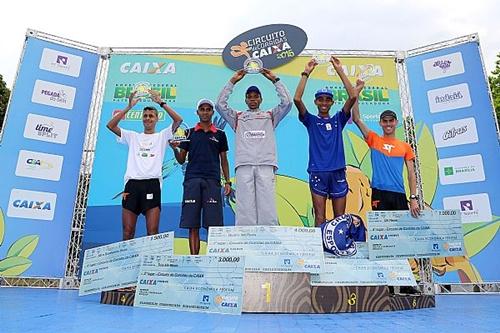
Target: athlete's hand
x,y
414,208
155,96
311,64
238,76
174,144
227,189
336,63
132,101
268,74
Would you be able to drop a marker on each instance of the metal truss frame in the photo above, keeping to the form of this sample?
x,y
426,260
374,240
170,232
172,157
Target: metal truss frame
x,y
71,280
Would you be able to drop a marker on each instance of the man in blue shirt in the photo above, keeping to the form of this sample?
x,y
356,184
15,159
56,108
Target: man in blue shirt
x,y
327,176
206,152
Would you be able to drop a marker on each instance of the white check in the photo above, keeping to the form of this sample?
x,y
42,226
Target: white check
x,y
117,265
270,248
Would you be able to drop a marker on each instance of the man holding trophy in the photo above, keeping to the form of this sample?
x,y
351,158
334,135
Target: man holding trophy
x,y
143,177
255,160
206,153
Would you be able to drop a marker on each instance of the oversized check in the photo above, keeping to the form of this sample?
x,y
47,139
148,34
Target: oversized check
x,y
397,235
270,248
357,270
117,265
191,283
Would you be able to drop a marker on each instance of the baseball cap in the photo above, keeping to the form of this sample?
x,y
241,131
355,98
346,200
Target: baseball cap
x,y
253,89
205,101
388,113
323,92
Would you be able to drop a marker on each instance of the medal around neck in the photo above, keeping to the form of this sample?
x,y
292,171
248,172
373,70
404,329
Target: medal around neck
x,y
253,65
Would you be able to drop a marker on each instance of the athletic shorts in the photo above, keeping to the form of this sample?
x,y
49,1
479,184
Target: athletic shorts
x,y
388,200
329,184
141,195
202,198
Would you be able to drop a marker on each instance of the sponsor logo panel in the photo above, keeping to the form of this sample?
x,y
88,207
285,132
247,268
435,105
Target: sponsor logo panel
x,y
39,165
454,133
463,169
60,62
449,98
53,94
46,129
32,204
443,66
473,207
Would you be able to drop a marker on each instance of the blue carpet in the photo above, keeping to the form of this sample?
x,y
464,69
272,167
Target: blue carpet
x,y
48,310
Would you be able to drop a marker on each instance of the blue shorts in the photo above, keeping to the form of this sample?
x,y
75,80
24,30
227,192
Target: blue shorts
x,y
329,184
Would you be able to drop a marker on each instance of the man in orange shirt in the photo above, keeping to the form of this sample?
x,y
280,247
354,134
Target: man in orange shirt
x,y
388,155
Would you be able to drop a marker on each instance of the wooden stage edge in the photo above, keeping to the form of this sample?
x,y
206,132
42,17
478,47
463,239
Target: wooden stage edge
x,y
292,293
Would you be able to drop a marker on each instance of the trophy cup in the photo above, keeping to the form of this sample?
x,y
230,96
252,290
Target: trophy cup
x,y
182,133
322,58
142,89
253,65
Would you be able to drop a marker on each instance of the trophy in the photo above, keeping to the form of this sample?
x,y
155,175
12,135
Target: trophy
x,y
322,58
366,74
182,133
142,89
253,65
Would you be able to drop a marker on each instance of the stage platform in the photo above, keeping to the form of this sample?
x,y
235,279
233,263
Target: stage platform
x,y
50,310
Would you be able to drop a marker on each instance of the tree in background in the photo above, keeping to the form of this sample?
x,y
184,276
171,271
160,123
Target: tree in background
x,y
495,86
4,99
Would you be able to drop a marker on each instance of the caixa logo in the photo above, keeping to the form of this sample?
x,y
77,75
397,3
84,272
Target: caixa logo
x,y
148,68
31,204
221,250
149,282
90,272
274,45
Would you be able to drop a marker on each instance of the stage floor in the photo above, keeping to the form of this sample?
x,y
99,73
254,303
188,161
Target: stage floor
x,y
48,310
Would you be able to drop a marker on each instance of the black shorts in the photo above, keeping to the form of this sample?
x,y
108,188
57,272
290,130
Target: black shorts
x,y
141,195
388,200
201,195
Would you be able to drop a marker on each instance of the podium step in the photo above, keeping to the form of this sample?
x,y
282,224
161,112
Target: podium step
x,y
331,299
277,292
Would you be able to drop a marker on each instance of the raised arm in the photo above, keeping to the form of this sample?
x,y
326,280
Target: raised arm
x,y
112,125
221,106
281,110
356,117
176,118
412,183
299,92
337,65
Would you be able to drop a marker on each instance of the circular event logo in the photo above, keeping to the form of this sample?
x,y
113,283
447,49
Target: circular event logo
x,y
274,45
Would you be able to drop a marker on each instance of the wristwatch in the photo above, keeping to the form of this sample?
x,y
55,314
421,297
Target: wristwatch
x,y
414,196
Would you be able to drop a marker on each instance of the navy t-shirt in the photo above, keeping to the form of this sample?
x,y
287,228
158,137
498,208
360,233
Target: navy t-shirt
x,y
203,160
326,146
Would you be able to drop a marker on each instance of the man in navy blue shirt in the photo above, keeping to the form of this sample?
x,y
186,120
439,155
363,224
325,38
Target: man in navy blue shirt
x,y
327,176
206,153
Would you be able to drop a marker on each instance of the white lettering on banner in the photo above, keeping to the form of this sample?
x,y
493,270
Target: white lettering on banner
x,y
46,129
443,66
462,169
39,165
474,207
449,98
60,62
454,133
148,68
53,94
32,204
